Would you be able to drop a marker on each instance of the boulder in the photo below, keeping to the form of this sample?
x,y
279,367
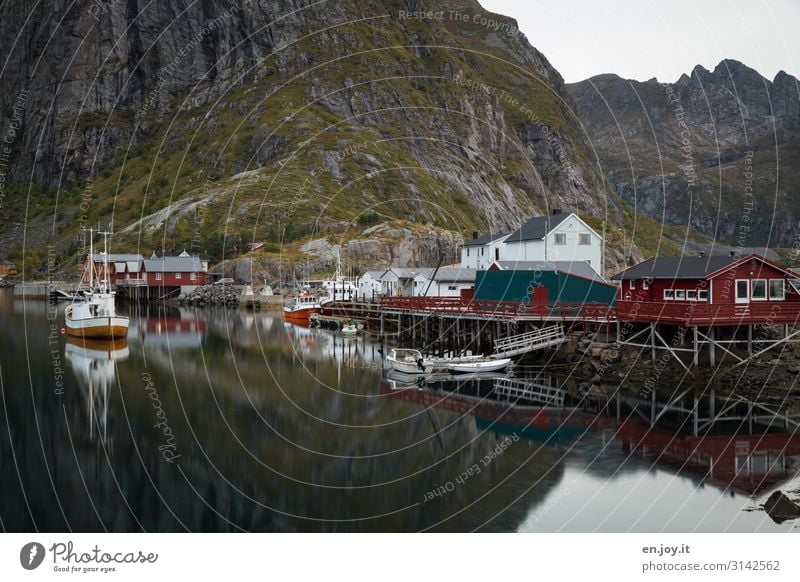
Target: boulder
x,y
781,508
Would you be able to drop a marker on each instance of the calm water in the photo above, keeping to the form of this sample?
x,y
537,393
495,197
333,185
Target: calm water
x,y
227,421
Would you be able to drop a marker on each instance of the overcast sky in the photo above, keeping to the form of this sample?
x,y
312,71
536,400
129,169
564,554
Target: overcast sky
x,y
641,39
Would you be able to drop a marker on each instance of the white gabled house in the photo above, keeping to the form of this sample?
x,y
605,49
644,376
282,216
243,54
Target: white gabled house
x,y
444,282
369,285
399,281
560,236
480,252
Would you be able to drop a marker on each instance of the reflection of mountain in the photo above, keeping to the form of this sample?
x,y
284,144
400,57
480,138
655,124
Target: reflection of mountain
x,y
94,364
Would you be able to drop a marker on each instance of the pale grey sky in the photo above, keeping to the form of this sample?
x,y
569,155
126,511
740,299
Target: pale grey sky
x,y
641,39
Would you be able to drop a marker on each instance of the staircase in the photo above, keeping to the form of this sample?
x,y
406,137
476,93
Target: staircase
x,y
523,343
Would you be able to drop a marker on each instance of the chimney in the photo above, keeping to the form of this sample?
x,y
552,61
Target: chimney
x,y
733,254
556,211
474,234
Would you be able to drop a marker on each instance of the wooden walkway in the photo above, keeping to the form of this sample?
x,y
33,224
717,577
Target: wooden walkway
x,y
523,343
520,389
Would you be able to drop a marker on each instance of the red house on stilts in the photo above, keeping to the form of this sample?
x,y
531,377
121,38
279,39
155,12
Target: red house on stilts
x,y
721,300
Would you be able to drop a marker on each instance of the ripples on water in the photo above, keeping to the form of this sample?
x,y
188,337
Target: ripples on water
x,y
227,420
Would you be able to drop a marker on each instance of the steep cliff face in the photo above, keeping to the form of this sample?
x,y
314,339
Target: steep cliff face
x,y
717,150
331,117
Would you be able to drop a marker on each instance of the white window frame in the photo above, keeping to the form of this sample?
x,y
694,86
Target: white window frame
x,y
177,275
737,298
452,287
632,284
752,289
584,239
700,295
783,290
645,284
158,276
680,294
691,295
669,295
193,276
560,236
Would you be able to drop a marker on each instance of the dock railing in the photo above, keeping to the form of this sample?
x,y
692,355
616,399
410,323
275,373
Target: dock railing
x,y
592,311
711,314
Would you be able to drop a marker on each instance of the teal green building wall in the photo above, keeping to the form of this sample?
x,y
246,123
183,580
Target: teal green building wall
x,y
561,287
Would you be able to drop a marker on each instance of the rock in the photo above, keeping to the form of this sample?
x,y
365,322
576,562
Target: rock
x,y
780,508
609,355
793,369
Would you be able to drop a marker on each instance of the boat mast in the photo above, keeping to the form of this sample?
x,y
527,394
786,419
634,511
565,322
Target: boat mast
x,y
91,260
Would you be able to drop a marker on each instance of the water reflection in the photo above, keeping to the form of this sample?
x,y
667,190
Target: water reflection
x,y
281,428
94,364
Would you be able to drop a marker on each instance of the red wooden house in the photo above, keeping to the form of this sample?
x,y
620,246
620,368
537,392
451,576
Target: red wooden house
x,y
708,291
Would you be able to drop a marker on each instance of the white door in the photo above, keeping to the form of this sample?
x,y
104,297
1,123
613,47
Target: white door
x,y
742,291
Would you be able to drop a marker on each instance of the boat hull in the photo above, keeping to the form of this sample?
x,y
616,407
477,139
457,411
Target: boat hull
x,y
98,327
299,315
476,367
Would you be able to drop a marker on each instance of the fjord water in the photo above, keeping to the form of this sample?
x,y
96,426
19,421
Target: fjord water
x,y
227,420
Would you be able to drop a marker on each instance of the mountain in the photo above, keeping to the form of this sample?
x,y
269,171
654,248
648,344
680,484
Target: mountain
x,y
717,150
392,128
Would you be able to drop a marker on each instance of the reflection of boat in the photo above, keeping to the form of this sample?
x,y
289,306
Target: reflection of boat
x,y
96,316
300,308
479,365
94,364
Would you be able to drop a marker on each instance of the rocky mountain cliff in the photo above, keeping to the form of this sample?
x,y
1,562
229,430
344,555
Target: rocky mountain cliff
x,y
208,124
718,150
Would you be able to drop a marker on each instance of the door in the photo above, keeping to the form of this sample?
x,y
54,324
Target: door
x,y
742,291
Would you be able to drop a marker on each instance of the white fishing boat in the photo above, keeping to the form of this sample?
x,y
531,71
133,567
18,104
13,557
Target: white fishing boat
x,y
406,360
481,365
339,287
96,317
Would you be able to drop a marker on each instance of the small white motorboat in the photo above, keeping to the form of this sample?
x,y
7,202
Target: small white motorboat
x,y
349,329
406,360
482,365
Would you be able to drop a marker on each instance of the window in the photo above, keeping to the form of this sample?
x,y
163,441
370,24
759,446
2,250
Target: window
x,y
702,295
177,275
691,295
742,291
680,295
646,284
758,289
776,289
561,239
482,249
632,284
467,251
193,276
158,276
584,239
669,294
497,254
452,288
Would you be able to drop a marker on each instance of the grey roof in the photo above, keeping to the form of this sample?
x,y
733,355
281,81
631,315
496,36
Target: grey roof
x,y
134,266
174,265
577,268
537,227
407,272
718,249
451,274
676,267
5,262
483,240
116,258
375,274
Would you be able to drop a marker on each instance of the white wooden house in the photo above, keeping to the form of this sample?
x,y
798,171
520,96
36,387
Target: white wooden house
x,y
482,251
444,282
561,236
399,281
369,285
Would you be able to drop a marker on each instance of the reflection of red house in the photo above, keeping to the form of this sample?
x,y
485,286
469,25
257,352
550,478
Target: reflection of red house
x,y
173,332
708,290
749,464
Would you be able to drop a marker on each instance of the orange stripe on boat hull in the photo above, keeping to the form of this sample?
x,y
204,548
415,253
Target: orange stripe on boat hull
x,y
99,331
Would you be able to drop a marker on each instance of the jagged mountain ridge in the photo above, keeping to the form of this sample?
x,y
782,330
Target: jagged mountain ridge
x,y
718,150
280,118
